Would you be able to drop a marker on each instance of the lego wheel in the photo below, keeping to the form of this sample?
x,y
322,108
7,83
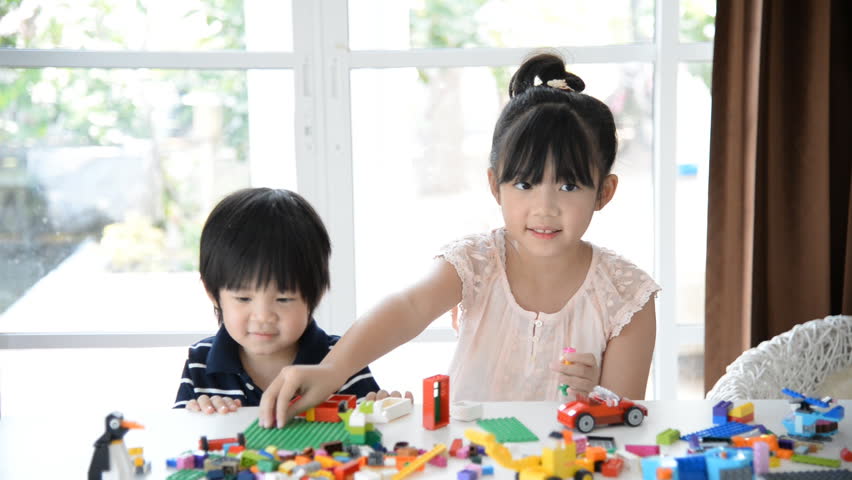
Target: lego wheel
x,y
634,417
585,423
583,474
241,439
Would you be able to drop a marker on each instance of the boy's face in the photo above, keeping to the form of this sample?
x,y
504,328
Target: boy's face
x,y
264,321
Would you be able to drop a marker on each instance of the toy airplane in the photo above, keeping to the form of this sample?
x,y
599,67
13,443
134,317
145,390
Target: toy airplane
x,y
806,421
111,459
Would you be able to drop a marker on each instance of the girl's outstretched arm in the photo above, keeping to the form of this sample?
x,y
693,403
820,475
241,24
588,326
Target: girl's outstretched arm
x,y
627,360
394,321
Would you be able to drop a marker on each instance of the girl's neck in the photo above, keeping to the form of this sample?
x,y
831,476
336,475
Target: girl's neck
x,y
264,368
545,270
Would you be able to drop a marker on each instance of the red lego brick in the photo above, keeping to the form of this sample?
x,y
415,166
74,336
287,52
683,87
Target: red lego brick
x,y
436,402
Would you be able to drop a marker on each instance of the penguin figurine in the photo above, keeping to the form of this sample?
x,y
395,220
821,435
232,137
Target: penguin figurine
x,y
111,460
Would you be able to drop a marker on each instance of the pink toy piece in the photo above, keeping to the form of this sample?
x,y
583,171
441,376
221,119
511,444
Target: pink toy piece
x,y
643,450
474,468
439,461
761,457
185,462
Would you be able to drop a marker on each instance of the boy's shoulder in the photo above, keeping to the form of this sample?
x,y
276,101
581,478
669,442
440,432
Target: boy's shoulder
x,y
314,344
200,349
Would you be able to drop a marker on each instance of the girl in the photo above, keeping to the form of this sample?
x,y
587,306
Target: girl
x,y
529,289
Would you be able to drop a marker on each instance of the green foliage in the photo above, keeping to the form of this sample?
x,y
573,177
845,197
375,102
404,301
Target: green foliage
x,y
53,107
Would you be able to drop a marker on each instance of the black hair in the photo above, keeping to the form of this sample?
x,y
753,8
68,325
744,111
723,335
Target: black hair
x,y
259,235
543,123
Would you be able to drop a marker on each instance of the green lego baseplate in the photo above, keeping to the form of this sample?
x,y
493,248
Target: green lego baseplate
x,y
507,429
187,475
297,435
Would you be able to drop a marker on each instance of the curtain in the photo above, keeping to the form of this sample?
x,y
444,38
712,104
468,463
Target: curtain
x,y
779,233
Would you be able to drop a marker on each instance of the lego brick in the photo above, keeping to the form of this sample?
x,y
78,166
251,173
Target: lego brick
x,y
187,475
419,462
466,411
693,467
296,435
726,430
507,429
607,443
668,436
810,459
743,410
721,409
643,450
436,402
846,455
809,475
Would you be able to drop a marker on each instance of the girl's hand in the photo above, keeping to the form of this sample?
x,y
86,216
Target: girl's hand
x,y
582,375
381,394
296,389
214,404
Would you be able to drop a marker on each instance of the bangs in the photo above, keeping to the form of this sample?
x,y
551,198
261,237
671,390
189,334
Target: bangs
x,y
255,256
548,134
258,237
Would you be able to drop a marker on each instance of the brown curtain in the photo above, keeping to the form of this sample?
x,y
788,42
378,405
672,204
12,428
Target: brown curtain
x,y
779,233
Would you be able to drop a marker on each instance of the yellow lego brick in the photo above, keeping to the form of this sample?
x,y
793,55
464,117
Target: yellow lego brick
x,y
774,462
272,450
311,415
287,466
420,461
326,461
742,410
322,474
134,451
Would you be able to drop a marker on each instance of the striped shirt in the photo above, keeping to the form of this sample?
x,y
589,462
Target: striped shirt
x,y
213,367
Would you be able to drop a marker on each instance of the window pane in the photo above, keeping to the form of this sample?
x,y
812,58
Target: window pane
x,y
693,156
690,378
421,141
401,25
148,24
106,177
697,20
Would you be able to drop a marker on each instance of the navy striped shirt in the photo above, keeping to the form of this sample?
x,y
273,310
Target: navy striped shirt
x,y
214,368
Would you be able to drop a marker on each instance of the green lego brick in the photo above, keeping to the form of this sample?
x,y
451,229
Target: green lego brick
x,y
668,436
187,475
507,429
296,435
825,462
268,465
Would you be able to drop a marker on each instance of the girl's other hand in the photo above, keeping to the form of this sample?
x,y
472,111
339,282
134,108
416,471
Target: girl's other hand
x,y
582,375
214,404
382,394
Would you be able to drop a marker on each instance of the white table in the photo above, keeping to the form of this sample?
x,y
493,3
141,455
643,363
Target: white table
x,y
61,441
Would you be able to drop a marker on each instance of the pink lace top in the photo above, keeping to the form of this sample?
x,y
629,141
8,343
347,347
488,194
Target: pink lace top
x,y
504,351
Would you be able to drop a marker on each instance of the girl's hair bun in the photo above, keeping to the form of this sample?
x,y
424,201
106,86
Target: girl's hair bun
x,y
545,67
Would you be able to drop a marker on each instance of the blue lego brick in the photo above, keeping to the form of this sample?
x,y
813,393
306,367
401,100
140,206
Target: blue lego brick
x,y
693,467
720,420
726,430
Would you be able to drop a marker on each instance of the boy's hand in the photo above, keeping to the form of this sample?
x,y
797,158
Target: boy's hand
x,y
381,394
214,404
296,389
582,375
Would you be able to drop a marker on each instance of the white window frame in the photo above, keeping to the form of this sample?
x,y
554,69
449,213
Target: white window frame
x,y
322,62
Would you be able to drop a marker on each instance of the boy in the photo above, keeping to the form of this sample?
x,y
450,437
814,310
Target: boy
x,y
264,265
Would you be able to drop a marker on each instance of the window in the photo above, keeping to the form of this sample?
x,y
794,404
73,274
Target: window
x,y
116,142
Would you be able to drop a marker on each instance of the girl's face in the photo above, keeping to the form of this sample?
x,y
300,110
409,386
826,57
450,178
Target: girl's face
x,y
264,321
549,219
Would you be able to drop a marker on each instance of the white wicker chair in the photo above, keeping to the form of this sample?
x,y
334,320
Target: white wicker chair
x,y
799,359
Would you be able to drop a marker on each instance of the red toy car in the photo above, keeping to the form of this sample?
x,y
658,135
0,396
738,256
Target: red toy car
x,y
602,407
